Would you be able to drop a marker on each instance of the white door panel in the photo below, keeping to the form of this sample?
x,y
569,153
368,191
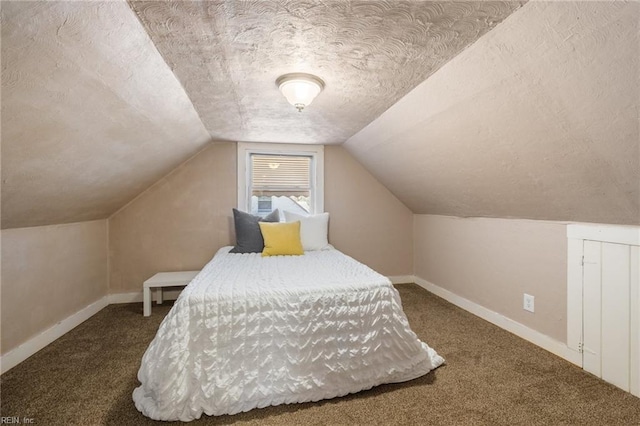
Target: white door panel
x,y
592,303
634,332
615,314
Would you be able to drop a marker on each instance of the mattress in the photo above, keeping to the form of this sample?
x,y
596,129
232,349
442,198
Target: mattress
x,y
252,331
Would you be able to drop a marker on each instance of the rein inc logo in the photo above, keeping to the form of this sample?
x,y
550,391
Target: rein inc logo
x,y
16,420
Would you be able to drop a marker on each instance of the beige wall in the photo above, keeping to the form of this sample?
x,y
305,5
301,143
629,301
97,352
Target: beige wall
x,y
367,222
492,262
180,222
48,274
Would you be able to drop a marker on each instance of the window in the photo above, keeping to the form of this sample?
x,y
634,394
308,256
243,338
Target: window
x,y
280,176
280,182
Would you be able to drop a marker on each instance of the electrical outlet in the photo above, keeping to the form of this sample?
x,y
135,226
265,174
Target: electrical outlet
x,y
529,302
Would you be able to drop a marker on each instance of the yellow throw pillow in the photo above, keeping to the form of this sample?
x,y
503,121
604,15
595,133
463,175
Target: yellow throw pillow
x,y
281,238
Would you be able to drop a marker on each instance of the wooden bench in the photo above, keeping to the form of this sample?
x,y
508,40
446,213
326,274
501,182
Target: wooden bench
x,y
161,280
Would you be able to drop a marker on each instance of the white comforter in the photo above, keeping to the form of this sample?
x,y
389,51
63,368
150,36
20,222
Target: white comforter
x,y
251,332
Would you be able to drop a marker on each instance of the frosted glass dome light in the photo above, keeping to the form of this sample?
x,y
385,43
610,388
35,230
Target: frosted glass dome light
x,y
300,89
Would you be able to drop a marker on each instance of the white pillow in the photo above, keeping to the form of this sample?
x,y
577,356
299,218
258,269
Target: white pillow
x,y
313,230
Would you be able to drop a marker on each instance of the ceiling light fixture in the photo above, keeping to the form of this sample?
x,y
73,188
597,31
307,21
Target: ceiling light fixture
x,y
300,89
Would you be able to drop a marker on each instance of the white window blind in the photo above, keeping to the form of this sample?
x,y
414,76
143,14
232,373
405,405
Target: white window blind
x,y
285,177
280,173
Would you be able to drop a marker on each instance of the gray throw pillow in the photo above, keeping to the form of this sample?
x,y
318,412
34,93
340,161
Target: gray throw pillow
x,y
248,236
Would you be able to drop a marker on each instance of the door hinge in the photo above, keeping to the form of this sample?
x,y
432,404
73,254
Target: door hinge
x,y
581,347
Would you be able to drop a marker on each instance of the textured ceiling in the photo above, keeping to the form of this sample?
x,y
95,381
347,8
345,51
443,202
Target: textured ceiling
x,y
539,119
228,54
91,114
98,103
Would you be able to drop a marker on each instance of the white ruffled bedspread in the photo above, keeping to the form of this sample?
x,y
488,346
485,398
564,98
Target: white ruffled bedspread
x,y
251,332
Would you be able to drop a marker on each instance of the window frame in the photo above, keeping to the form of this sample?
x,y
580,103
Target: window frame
x,y
316,152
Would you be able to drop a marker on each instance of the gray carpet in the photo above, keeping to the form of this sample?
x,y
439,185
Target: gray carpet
x,y
491,378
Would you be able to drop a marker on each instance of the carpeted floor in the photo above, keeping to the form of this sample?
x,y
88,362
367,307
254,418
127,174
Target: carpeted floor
x,y
491,378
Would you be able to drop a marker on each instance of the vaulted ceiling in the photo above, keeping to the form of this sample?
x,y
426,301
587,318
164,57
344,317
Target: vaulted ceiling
x,y
91,114
101,99
538,120
228,55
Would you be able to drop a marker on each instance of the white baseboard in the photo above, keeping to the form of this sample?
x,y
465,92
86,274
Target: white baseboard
x,y
136,297
401,279
545,342
25,350
18,354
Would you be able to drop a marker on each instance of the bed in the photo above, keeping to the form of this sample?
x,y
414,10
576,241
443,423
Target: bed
x,y
252,331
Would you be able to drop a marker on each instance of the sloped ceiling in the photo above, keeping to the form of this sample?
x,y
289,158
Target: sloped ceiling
x,y
539,119
228,55
91,114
